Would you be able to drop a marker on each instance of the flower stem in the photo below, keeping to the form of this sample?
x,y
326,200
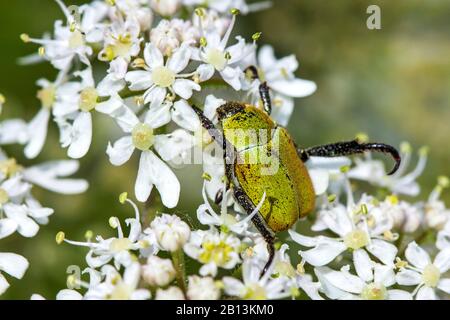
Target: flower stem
x,y
179,265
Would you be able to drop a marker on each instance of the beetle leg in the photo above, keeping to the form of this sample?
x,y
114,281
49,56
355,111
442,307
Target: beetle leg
x,y
242,198
264,93
348,148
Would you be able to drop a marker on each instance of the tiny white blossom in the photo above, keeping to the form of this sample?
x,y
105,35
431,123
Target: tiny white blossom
x,y
158,272
171,232
202,288
425,274
171,293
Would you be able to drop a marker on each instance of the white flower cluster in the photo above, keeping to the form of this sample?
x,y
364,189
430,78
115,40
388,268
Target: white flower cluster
x,y
20,212
161,57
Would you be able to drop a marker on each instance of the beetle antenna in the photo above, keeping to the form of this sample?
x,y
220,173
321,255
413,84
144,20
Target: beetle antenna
x,y
348,148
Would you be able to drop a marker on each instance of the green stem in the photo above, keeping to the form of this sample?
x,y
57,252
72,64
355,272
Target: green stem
x,y
179,265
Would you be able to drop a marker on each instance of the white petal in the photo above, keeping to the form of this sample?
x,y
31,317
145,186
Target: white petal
x,y
384,275
383,250
180,59
37,131
323,253
296,88
13,131
345,281
417,256
184,116
165,181
139,80
144,182
7,227
303,240
184,88
82,135
153,57
408,278
205,72
155,96
4,285
320,179
426,293
399,295
13,264
266,57
158,116
444,285
282,109
67,294
363,265
121,151
174,146
442,260
26,226
232,76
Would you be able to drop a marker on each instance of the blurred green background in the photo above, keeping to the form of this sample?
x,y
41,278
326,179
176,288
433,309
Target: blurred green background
x,y
393,84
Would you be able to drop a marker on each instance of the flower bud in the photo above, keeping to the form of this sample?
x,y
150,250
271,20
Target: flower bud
x,y
171,232
165,7
158,272
202,288
172,293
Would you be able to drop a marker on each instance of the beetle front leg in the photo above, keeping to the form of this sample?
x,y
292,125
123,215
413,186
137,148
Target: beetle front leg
x,y
242,198
348,148
264,91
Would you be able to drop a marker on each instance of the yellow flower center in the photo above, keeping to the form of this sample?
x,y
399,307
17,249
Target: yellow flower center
x,y
356,239
47,96
284,268
9,167
431,275
217,59
163,77
374,291
4,197
88,99
76,39
121,292
255,292
219,253
142,136
120,244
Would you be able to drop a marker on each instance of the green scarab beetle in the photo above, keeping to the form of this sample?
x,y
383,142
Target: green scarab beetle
x,y
262,161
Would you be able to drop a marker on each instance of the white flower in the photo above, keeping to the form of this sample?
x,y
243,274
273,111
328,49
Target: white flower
x,y
168,35
443,237
372,282
121,40
359,228
407,217
117,248
374,172
73,113
202,288
214,250
279,75
253,286
69,42
158,272
216,56
116,287
436,214
223,6
152,170
13,264
424,274
159,77
165,8
326,174
171,293
136,10
207,216
171,232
